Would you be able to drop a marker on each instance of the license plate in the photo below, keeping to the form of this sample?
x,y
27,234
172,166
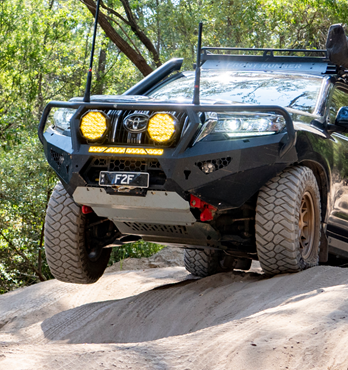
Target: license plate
x,y
126,179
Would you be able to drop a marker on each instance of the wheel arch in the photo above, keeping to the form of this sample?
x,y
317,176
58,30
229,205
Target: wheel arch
x,y
323,184
324,188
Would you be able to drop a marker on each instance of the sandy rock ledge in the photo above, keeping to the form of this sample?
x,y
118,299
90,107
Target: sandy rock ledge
x,y
161,318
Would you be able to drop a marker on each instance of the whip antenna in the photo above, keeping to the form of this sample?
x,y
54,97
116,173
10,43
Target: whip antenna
x,y
198,67
87,97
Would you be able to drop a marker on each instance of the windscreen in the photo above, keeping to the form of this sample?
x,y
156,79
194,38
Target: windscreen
x,y
296,91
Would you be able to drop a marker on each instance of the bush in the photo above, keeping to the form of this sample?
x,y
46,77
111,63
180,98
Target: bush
x,y
134,250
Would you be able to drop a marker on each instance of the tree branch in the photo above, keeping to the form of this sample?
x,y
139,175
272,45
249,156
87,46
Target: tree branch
x,y
19,252
118,15
140,34
124,32
124,47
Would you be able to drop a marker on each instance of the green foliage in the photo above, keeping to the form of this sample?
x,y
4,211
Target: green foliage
x,y
172,25
44,53
134,250
26,182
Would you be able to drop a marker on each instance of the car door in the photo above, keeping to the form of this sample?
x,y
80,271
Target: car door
x,y
337,229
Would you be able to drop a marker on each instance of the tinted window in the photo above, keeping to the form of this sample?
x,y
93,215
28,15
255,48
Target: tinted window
x,y
298,92
339,99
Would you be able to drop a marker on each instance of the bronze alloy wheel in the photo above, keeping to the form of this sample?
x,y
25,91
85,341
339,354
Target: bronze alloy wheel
x,y
306,225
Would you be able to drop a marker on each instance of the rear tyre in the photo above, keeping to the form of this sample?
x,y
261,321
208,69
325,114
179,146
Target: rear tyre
x,y
69,256
288,222
202,262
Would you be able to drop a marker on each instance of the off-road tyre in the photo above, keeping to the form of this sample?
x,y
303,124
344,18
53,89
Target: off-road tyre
x,y
284,206
65,245
202,262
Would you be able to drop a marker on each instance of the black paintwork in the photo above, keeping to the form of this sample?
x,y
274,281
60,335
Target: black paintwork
x,y
249,162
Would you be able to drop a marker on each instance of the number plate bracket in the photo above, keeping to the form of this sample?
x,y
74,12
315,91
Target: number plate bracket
x,y
124,179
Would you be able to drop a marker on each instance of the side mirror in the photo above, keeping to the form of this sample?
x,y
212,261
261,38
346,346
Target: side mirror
x,y
342,117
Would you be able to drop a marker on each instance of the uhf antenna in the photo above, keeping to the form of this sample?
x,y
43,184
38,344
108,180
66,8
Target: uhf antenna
x,y
198,67
87,97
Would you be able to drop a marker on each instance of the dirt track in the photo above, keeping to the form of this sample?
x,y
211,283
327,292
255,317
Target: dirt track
x,y
163,319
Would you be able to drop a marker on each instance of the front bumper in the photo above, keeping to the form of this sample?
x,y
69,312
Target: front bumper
x,y
245,164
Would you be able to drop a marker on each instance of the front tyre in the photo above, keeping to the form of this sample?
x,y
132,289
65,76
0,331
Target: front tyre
x,y
288,222
68,255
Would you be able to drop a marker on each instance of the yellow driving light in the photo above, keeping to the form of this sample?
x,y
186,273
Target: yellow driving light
x,y
161,127
94,125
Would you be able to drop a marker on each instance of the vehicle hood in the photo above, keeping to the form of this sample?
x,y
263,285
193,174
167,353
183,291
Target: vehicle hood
x,y
144,99
115,98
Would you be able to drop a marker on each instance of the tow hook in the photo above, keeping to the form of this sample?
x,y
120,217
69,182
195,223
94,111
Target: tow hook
x,y
86,210
207,210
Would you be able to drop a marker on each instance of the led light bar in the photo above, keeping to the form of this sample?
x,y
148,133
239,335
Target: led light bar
x,y
115,150
120,150
135,151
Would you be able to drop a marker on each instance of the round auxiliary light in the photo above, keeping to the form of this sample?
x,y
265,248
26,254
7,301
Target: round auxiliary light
x,y
161,127
94,125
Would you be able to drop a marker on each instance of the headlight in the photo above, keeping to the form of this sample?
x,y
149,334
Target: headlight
x,y
94,125
161,127
241,124
62,118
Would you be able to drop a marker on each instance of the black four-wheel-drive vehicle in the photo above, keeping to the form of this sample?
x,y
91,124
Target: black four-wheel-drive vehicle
x,y
257,169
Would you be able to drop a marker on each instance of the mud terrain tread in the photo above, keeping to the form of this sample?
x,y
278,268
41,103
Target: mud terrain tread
x,y
65,241
202,262
276,223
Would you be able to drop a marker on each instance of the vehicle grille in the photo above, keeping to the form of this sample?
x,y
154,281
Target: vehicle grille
x,y
119,135
97,164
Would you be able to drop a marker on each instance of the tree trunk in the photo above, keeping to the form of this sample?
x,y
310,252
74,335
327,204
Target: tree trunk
x,y
140,34
124,47
99,86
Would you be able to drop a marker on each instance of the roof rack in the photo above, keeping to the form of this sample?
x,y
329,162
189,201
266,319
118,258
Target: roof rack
x,y
268,51
317,63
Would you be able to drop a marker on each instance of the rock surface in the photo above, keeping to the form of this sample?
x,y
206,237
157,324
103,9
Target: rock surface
x,y
166,257
162,318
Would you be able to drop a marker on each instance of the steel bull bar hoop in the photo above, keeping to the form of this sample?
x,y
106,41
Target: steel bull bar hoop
x,y
190,109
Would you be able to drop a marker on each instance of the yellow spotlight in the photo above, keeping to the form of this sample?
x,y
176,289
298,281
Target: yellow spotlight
x,y
135,151
115,150
154,151
161,127
94,125
97,149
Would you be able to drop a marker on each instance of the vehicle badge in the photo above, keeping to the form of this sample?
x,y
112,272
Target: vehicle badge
x,y
136,122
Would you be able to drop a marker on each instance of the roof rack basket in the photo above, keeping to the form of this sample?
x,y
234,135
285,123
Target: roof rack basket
x,y
281,60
